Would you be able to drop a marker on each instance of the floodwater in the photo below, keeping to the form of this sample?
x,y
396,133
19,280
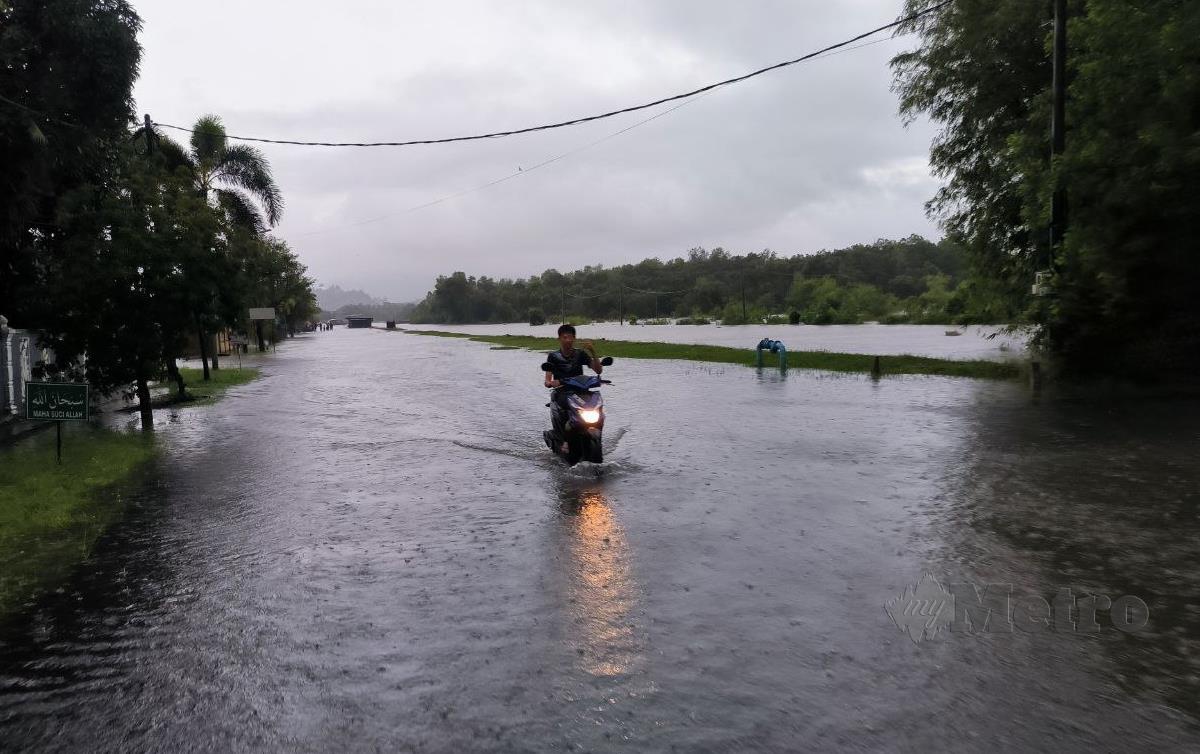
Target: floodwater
x,y
367,550
974,342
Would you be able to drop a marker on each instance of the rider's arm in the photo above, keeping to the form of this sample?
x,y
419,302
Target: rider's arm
x,y
594,362
549,380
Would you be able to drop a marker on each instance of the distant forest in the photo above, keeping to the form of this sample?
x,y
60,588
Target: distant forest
x,y
912,280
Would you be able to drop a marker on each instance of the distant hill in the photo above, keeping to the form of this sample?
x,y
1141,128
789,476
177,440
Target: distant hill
x,y
334,298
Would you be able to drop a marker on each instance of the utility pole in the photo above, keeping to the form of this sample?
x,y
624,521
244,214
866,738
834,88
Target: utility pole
x,y
1058,129
562,292
742,283
149,135
621,317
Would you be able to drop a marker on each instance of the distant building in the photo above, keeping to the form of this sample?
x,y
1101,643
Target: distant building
x,y
359,320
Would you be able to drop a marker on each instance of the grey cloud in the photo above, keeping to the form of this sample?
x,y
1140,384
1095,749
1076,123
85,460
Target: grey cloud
x,y
798,160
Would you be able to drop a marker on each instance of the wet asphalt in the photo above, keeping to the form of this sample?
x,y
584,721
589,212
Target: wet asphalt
x,y
367,550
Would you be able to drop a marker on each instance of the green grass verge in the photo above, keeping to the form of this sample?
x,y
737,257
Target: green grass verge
x,y
52,515
219,381
825,360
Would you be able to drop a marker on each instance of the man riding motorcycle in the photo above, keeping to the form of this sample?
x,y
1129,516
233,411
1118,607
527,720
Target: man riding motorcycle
x,y
568,362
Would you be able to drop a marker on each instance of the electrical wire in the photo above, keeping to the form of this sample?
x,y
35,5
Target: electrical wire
x,y
824,52
587,119
40,114
520,172
688,98
523,171
655,293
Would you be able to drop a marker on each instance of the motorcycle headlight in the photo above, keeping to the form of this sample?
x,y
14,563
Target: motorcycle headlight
x,y
590,415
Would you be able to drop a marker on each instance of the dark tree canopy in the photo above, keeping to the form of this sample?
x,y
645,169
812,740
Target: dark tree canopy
x,y
116,245
1126,275
75,61
126,274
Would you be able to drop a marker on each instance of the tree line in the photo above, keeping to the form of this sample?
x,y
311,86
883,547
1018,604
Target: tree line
x,y
906,280
118,244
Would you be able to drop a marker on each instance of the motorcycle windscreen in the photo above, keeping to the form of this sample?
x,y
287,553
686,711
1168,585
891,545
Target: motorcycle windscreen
x,y
585,400
583,383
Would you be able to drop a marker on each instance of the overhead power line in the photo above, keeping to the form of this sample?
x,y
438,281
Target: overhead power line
x,y
589,118
580,295
654,293
40,114
521,172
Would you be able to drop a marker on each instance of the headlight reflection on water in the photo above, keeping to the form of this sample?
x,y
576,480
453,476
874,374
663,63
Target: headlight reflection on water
x,y
603,588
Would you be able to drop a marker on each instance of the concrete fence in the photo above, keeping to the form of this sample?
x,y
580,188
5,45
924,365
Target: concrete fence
x,y
17,355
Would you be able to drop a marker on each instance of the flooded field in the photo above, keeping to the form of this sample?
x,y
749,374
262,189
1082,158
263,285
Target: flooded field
x,y
975,342
369,549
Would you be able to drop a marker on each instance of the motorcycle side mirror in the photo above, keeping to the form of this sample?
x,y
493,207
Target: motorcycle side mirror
x,y
606,361
546,367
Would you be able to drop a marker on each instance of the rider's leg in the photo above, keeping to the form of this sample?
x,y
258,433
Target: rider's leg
x,y
559,398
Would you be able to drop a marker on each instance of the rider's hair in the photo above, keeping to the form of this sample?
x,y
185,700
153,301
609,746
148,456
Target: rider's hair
x,y
566,328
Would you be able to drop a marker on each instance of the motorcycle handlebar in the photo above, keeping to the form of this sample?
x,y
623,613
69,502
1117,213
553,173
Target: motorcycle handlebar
x,y
602,382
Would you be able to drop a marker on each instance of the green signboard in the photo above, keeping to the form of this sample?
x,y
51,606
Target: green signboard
x,y
58,401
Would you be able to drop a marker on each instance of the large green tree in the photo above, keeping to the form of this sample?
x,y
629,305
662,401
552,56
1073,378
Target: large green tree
x,y
121,280
1130,269
982,72
142,253
236,178
115,244
1123,298
276,277
66,72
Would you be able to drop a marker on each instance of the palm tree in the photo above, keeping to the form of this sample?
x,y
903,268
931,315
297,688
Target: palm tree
x,y
235,177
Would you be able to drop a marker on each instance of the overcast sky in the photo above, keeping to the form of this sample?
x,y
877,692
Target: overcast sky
x,y
809,157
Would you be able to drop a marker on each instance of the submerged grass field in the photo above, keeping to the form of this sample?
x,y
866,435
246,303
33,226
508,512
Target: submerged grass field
x,y
826,360
219,381
51,515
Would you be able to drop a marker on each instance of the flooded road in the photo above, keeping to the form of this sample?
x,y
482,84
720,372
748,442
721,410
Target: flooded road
x,y
367,550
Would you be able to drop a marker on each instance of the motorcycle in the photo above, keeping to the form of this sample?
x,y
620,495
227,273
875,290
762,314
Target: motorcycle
x,y
580,422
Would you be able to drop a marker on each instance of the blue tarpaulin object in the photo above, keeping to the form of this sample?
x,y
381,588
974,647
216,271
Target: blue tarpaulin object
x,y
774,346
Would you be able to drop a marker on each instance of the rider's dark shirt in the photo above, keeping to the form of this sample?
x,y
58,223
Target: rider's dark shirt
x,y
565,367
